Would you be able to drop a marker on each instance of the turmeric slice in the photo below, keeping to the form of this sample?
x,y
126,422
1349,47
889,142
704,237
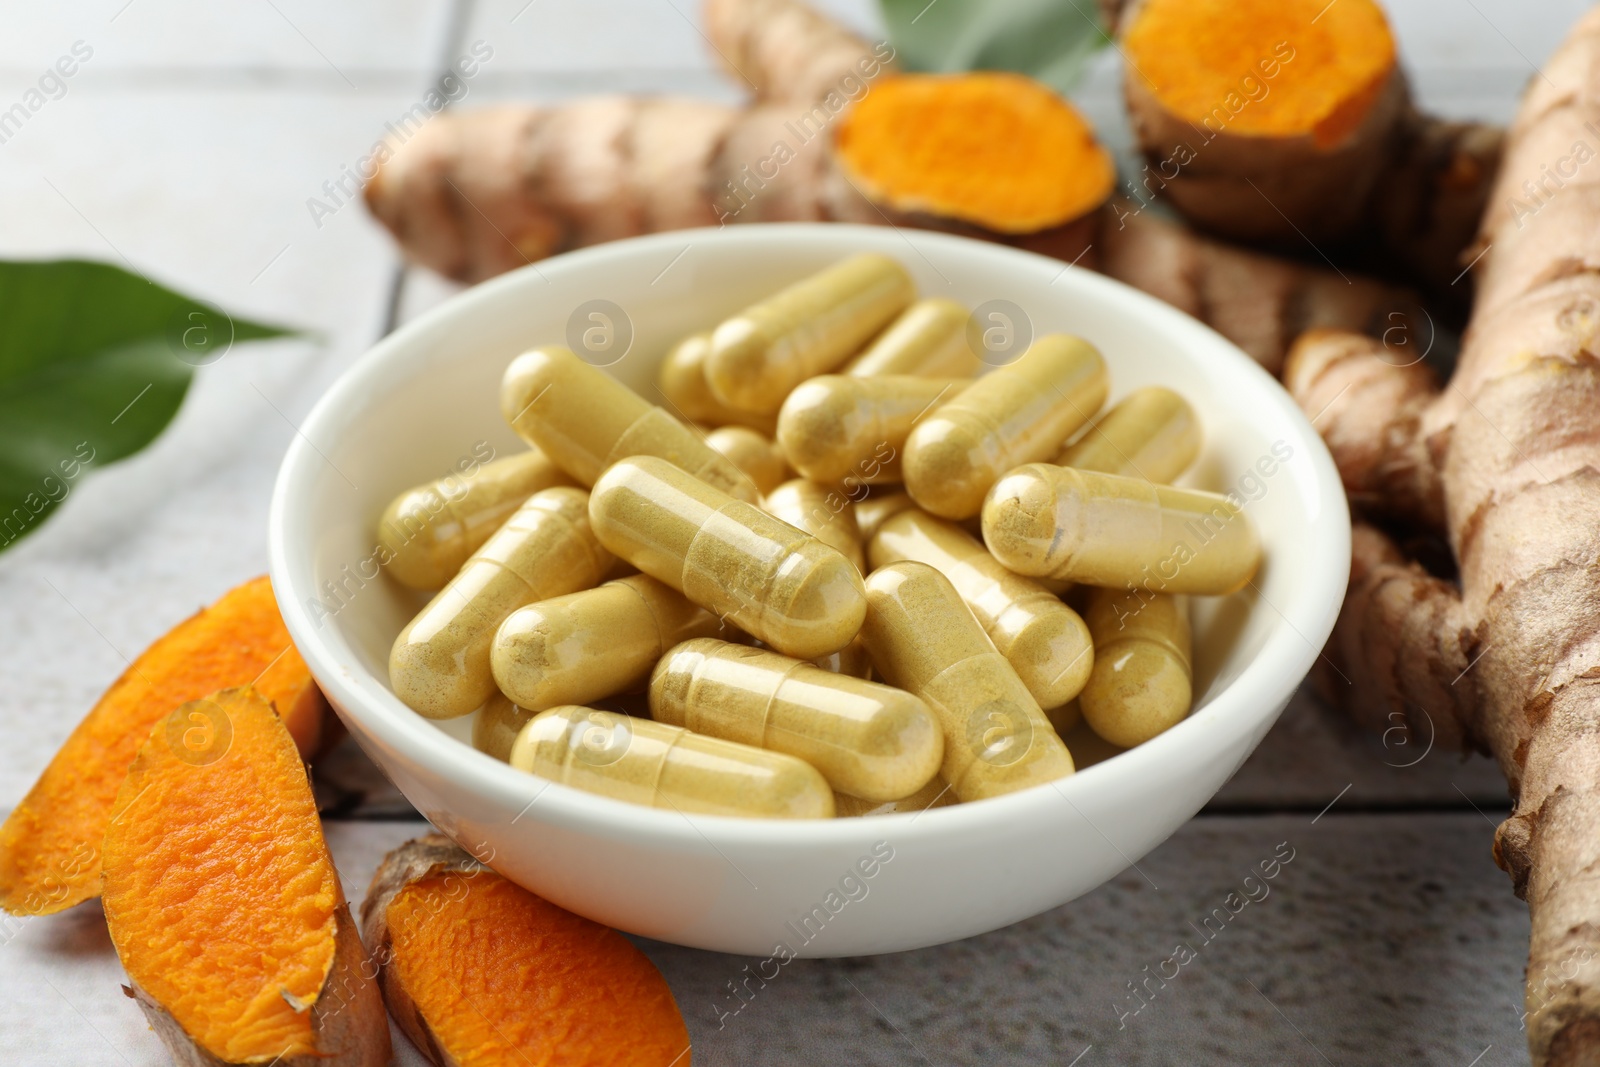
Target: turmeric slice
x,y
224,905
50,844
479,972
996,150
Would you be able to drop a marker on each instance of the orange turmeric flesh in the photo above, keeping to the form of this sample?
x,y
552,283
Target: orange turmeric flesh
x,y
996,150
220,893
503,977
1264,68
50,844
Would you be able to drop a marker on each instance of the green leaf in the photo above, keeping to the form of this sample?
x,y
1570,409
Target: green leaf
x,y
1050,40
94,362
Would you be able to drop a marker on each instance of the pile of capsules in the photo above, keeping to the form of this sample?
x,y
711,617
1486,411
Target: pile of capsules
x,y
757,607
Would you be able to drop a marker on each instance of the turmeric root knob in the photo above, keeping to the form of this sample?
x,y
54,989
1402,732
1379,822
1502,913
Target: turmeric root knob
x,y
479,972
223,902
994,150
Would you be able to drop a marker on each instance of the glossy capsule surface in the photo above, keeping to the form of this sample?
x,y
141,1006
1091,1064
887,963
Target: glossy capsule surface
x,y
495,729
824,513
584,646
1045,641
1151,434
872,741
928,338
1019,413
682,381
1142,680
439,665
1123,533
430,531
880,505
835,427
924,640
809,328
663,766
756,455
764,576
585,420
933,795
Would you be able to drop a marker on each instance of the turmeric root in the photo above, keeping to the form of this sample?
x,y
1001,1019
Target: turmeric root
x,y
50,844
479,972
988,155
1508,661
1283,121
224,905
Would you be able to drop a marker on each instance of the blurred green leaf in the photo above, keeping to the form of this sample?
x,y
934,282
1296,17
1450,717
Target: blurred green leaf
x,y
1050,40
94,362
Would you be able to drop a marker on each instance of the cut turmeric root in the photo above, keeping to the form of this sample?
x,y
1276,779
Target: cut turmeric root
x,y
50,844
835,134
1290,120
479,972
223,902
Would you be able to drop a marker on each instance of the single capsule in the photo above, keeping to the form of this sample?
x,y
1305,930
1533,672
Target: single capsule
x,y
824,513
1044,640
933,795
1142,678
585,420
1123,533
430,531
1151,434
925,641
682,381
439,665
809,328
663,766
757,456
585,646
881,504
1017,414
929,338
495,729
868,740
834,427
764,576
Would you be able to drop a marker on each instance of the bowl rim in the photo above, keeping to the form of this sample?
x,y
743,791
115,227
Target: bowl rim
x,y
1250,702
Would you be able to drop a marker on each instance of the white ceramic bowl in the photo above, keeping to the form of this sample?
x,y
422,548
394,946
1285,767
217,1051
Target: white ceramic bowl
x,y
426,397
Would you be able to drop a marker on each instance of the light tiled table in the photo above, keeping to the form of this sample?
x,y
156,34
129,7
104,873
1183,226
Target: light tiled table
x,y
189,144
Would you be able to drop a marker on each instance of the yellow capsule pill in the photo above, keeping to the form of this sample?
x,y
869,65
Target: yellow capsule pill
x,y
881,504
936,794
584,646
1044,640
925,641
495,729
824,513
430,531
439,665
852,659
585,420
682,381
764,576
1123,533
1151,434
1142,677
869,740
834,427
1020,413
809,328
929,338
757,456
663,766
